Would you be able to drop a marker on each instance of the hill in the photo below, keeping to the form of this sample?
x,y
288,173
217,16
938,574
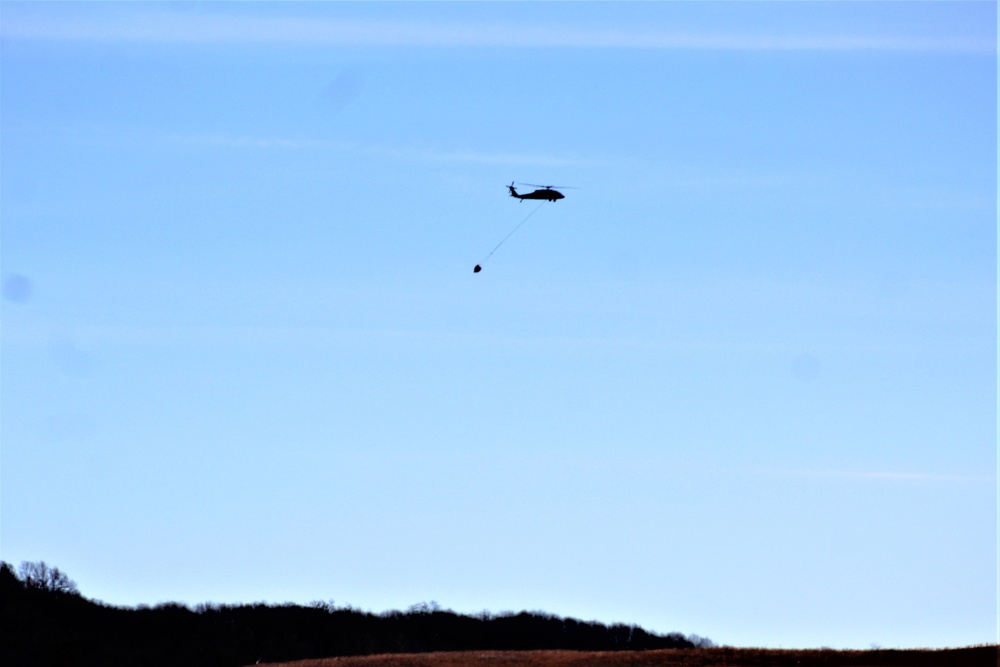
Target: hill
x,y
47,622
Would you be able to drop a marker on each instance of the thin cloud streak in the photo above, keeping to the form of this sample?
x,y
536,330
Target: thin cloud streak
x,y
514,159
132,136
882,476
419,154
166,27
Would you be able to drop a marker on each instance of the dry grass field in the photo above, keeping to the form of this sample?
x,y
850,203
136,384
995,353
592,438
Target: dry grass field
x,y
978,656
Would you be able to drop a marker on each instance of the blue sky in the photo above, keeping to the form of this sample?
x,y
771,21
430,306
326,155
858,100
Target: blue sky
x,y
740,382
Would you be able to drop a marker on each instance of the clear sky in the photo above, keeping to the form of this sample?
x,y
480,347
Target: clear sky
x,y
740,382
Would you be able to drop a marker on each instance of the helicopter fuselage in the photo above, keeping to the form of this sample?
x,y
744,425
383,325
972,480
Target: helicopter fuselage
x,y
545,194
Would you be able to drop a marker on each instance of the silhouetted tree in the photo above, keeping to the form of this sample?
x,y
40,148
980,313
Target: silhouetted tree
x,y
41,576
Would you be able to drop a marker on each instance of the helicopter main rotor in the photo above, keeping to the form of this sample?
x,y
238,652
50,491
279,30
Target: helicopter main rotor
x,y
550,187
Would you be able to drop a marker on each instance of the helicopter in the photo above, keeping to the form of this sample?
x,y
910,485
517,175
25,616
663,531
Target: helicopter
x,y
546,193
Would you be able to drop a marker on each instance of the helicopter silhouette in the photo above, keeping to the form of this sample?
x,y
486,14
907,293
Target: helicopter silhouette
x,y
546,192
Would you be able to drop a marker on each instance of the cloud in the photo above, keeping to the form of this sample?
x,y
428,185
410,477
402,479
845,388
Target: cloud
x,y
158,26
243,141
407,153
884,475
514,159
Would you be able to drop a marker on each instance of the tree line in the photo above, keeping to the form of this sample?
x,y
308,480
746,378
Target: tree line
x,y
46,621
